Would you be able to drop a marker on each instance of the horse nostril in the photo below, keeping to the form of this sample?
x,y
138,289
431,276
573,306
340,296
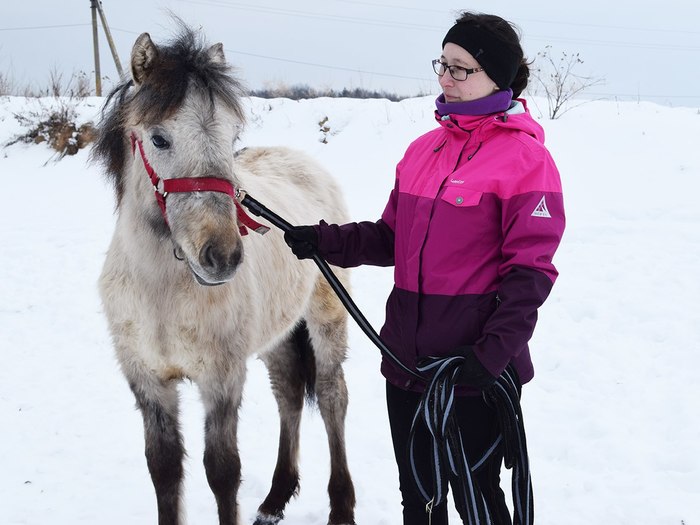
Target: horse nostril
x,y
217,260
209,257
236,257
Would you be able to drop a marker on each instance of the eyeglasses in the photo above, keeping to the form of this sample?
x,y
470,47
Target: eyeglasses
x,y
456,72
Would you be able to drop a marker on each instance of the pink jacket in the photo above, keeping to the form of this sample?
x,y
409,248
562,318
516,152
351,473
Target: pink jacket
x,y
471,227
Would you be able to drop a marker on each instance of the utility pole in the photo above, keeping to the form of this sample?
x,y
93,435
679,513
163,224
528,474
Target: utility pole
x,y
96,50
96,7
108,34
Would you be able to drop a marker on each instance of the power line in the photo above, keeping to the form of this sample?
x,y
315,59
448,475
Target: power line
x,y
305,63
637,95
613,43
424,9
616,28
315,16
126,31
551,22
325,66
29,28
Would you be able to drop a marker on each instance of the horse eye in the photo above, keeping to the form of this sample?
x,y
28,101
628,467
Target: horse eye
x,y
159,142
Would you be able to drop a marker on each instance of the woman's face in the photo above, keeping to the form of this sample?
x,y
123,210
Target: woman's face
x,y
477,85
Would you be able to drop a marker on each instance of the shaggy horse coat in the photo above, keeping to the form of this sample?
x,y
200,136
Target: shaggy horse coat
x,y
187,295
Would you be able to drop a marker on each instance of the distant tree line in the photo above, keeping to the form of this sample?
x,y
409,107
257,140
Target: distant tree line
x,y
299,92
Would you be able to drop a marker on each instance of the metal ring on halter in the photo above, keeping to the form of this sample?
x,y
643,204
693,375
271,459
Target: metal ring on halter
x,y
162,192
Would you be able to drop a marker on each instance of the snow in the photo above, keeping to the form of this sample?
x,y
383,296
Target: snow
x,y
611,414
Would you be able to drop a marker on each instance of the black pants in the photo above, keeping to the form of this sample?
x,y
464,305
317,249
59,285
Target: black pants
x,y
479,427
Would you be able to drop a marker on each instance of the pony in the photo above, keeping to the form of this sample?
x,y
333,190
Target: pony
x,y
189,294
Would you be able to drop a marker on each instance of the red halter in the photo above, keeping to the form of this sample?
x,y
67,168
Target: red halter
x,y
163,187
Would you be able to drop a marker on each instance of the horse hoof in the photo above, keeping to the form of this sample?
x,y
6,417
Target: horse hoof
x,y
268,519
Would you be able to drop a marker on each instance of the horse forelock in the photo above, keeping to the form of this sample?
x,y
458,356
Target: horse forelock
x,y
183,67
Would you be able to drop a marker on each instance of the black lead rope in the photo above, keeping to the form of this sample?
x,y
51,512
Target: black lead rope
x,y
436,412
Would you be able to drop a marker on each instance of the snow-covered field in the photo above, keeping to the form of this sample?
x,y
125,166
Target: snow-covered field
x,y
611,416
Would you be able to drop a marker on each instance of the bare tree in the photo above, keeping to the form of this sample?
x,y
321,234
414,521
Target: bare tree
x,y
559,82
5,84
56,88
81,85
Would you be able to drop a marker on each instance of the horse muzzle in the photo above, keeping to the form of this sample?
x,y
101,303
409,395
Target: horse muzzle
x,y
215,264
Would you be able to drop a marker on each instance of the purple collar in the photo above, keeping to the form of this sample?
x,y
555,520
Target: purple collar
x,y
499,101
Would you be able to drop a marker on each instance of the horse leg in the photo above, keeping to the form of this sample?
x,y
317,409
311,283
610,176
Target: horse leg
x,y
158,402
328,330
288,377
222,462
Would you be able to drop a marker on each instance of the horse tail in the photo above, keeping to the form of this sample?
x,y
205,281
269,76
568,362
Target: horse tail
x,y
306,360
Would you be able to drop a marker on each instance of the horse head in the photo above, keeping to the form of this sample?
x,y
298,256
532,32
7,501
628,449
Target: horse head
x,y
179,117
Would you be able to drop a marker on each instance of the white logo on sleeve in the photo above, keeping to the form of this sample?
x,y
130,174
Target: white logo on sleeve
x,y
541,209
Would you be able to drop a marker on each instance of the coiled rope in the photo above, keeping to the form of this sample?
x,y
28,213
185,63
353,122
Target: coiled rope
x,y
449,461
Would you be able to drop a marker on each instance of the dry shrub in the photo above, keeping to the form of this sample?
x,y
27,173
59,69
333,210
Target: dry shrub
x,y
57,127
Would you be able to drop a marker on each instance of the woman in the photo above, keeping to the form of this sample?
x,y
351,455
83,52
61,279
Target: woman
x,y
471,227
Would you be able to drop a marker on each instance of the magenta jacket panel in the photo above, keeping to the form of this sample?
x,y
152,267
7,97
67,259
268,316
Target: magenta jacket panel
x,y
471,228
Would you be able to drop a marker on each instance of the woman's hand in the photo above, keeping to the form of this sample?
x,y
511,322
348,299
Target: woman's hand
x,y
303,240
473,373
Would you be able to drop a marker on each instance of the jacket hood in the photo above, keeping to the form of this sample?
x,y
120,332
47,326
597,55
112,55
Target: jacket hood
x,y
516,118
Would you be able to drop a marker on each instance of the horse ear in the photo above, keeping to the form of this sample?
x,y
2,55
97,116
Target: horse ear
x,y
216,54
143,56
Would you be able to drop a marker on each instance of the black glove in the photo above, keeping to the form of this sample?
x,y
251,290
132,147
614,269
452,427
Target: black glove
x,y
303,240
473,373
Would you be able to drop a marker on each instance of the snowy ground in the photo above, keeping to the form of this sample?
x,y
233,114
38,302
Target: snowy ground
x,y
611,415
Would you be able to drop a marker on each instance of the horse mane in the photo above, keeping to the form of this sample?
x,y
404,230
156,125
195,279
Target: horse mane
x,y
182,64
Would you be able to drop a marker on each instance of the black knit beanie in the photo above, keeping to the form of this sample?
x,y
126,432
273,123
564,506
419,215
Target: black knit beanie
x,y
500,62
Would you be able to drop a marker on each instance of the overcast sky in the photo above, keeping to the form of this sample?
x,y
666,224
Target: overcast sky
x,y
638,50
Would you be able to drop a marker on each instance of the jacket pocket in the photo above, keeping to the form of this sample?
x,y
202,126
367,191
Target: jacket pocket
x,y
461,197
